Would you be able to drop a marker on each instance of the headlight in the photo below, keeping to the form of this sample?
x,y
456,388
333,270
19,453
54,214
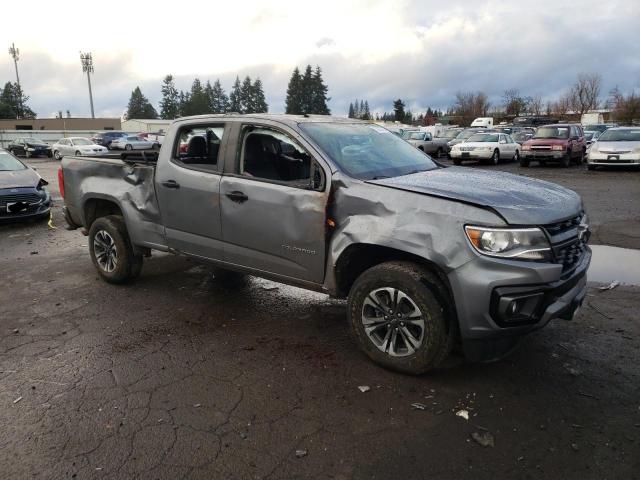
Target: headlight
x,y
594,148
557,147
526,147
518,243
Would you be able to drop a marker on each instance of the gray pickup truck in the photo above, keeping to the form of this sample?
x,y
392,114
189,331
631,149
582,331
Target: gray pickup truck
x,y
424,141
429,257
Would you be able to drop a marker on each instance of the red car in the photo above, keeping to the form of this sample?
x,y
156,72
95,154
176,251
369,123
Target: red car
x,y
562,143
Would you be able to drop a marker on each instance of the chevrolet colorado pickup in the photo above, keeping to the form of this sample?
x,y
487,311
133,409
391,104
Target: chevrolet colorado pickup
x,y
427,256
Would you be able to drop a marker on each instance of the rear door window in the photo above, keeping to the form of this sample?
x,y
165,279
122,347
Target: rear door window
x,y
198,146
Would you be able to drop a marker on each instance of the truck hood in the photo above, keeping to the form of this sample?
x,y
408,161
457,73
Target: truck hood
x,y
19,178
519,200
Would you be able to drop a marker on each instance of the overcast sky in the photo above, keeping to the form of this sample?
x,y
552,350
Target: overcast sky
x,y
420,51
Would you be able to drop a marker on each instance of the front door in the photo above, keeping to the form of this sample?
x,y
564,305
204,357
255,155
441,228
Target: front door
x,y
188,190
274,206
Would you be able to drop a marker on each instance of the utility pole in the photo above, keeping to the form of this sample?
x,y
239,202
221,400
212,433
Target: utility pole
x,y
87,66
15,54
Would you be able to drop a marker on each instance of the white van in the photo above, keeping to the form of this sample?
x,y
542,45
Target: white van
x,y
483,122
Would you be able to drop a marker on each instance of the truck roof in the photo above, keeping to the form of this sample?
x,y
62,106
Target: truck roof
x,y
279,117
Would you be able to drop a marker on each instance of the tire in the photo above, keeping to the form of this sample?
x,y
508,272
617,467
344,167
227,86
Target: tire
x,y
495,158
56,155
591,167
439,153
542,163
566,160
393,343
580,159
156,146
78,153
112,253
27,153
457,161
128,147
516,157
228,278
524,162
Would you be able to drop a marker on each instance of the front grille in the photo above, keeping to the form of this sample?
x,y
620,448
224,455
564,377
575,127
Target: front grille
x,y
19,197
467,149
540,147
566,243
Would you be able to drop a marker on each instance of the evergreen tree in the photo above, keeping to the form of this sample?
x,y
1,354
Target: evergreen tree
x,y
351,113
319,94
13,102
246,96
218,100
169,105
182,102
196,102
366,114
259,101
293,104
306,94
139,106
234,97
398,110
356,109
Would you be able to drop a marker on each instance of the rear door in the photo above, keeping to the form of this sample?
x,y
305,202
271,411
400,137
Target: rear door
x,y
188,189
273,200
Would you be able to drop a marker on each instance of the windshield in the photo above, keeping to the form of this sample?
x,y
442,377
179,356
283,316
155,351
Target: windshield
x,y
82,141
449,134
32,140
9,163
366,151
552,132
463,135
483,137
520,136
588,135
630,135
413,135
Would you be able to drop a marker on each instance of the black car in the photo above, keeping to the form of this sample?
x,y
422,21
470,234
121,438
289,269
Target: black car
x,y
22,192
105,138
29,147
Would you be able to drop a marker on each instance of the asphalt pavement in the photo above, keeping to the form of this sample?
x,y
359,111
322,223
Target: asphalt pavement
x,y
176,376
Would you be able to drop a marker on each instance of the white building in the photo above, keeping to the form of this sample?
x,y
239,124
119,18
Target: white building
x,y
144,125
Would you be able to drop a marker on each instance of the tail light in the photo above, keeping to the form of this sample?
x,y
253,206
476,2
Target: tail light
x,y
61,181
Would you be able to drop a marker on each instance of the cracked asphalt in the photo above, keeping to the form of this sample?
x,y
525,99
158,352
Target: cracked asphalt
x,y
176,376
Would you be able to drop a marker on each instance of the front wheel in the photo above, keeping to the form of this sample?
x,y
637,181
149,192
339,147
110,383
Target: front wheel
x,y
566,160
524,162
56,155
516,157
27,153
580,160
128,147
398,313
111,251
495,158
439,153
457,161
78,153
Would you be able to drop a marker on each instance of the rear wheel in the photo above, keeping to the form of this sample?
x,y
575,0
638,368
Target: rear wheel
x,y
78,153
398,312
111,250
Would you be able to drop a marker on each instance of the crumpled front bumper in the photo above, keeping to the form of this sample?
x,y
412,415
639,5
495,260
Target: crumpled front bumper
x,y
480,285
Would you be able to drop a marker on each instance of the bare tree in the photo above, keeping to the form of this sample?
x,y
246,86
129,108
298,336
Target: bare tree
x,y
514,103
562,105
586,92
470,105
535,105
626,108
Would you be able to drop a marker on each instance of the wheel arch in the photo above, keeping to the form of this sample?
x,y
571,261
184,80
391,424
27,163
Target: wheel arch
x,y
96,207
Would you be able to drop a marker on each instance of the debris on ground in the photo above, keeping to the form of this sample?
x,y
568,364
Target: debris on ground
x,y
35,252
611,286
572,370
364,388
484,439
15,330
243,435
463,413
419,406
301,453
269,287
575,447
17,400
197,405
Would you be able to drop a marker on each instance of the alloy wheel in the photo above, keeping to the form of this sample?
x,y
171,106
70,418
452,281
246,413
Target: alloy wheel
x,y
105,251
393,322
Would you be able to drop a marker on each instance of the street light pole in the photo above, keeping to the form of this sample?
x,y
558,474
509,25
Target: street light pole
x,y
87,66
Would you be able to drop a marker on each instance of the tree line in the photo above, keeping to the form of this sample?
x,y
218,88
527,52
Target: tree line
x,y
13,102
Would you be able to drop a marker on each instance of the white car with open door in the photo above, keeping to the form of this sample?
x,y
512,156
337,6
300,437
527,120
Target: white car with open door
x,y
490,147
78,146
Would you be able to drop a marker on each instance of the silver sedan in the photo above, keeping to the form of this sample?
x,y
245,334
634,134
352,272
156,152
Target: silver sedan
x,y
616,147
133,142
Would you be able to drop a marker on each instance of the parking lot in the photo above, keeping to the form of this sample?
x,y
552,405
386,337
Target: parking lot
x,y
176,376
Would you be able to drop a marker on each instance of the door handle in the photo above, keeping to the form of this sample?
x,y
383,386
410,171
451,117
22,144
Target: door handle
x,y
238,197
171,184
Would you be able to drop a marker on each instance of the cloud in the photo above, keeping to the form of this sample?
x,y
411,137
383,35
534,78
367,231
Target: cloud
x,y
422,52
